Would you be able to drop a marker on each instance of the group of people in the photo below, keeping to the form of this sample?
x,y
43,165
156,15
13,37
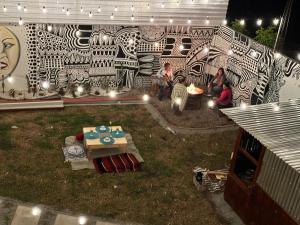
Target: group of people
x,y
219,88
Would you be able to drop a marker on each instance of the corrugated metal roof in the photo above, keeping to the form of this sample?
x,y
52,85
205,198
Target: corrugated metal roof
x,y
277,128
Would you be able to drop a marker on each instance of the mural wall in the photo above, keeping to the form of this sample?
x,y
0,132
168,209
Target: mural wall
x,y
256,73
110,56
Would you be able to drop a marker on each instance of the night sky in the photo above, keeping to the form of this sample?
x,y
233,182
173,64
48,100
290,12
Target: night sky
x,y
250,10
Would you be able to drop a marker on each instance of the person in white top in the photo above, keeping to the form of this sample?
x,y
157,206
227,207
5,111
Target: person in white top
x,y
165,75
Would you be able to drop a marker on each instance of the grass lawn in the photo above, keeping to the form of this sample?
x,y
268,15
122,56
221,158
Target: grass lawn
x,y
32,167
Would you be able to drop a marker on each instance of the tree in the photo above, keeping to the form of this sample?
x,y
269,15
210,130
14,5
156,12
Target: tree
x,y
266,36
235,25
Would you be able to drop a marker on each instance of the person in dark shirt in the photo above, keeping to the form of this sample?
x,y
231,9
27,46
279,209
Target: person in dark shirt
x,y
225,99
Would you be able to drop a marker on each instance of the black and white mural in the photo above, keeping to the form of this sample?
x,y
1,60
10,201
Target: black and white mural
x,y
114,57
257,74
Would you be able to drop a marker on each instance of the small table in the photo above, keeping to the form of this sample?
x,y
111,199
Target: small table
x,y
93,146
194,98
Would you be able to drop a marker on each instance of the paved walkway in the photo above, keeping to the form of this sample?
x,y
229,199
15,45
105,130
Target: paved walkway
x,y
14,212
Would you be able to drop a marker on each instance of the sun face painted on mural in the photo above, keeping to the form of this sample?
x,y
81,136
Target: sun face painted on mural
x,y
9,51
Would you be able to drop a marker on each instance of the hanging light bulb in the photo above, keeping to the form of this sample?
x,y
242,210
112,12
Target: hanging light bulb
x,y
19,7
21,21
10,79
148,6
36,211
80,89
189,21
181,47
242,22
68,12
178,101
116,9
163,5
44,9
243,105
210,104
224,22
63,9
152,19
156,44
259,22
25,9
4,8
90,14
49,28
206,49
146,98
78,33
170,21
276,21
276,107
254,54
230,52
104,37
82,220
132,18
112,16
99,9
132,8
131,41
81,9
193,2
45,84
177,3
277,55
112,94
207,22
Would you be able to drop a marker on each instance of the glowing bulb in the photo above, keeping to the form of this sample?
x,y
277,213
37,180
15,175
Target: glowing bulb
x,y
112,16
242,22
81,9
19,7
259,22
156,44
230,52
178,101
206,50
99,9
112,94
163,5
63,9
243,106
192,1
68,12
131,41
181,47
148,6
4,8
277,55
189,21
116,9
49,28
298,56
177,3
224,22
276,108
82,220
44,9
90,14
254,54
10,79
24,9
104,37
21,21
211,103
171,21
80,89
132,18
152,19
276,21
207,21
45,84
78,33
146,98
36,211
132,8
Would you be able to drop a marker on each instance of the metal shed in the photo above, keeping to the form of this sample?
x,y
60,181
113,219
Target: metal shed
x,y
276,126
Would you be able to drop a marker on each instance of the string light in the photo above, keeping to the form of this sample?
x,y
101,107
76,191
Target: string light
x,y
206,49
170,21
224,22
178,101
10,79
163,5
152,19
49,28
112,16
276,107
116,9
192,1
81,9
189,21
24,9
210,103
242,22
36,211
131,41
181,47
148,6
19,7
254,54
63,9
112,94
45,84
243,105
4,8
90,14
298,56
276,21
99,9
80,89
104,37
156,44
78,33
259,22
177,3
68,12
132,18
277,55
146,98
132,8
44,9
207,22
230,52
21,21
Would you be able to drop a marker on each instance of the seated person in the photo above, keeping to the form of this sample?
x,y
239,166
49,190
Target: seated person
x,y
165,76
215,86
179,95
225,99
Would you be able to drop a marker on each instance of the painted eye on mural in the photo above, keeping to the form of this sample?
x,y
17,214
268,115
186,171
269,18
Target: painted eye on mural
x,y
8,45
